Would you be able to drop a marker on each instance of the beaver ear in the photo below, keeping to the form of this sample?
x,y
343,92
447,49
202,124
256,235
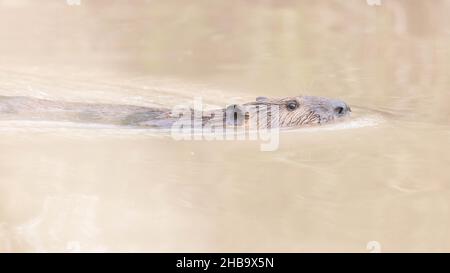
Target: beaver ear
x,y
261,99
235,115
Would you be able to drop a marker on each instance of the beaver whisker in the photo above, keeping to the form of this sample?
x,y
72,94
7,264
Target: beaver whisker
x,y
315,118
306,117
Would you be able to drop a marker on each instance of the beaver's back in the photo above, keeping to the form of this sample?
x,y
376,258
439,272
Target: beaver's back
x,y
26,108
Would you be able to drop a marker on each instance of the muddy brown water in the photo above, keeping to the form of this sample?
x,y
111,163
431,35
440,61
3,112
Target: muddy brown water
x,y
381,176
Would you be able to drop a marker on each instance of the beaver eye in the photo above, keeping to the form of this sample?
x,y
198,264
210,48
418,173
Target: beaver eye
x,y
292,105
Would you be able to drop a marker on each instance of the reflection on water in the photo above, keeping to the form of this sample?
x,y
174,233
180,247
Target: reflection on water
x,y
379,177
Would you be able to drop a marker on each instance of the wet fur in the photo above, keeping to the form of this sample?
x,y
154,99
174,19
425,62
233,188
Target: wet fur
x,y
310,111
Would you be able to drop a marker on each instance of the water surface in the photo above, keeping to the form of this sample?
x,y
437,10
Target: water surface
x,y
381,176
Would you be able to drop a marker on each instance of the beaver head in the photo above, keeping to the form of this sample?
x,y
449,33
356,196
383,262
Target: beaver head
x,y
292,111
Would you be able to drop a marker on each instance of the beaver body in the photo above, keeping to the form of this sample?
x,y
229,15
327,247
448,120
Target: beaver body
x,y
280,112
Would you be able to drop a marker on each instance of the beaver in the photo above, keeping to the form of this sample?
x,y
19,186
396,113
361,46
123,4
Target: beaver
x,y
287,112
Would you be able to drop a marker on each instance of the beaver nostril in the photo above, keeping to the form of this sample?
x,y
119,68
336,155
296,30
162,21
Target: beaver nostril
x,y
339,110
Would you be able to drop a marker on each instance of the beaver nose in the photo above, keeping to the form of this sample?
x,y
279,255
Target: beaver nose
x,y
340,108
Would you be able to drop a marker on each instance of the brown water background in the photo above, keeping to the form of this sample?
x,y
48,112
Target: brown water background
x,y
382,176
